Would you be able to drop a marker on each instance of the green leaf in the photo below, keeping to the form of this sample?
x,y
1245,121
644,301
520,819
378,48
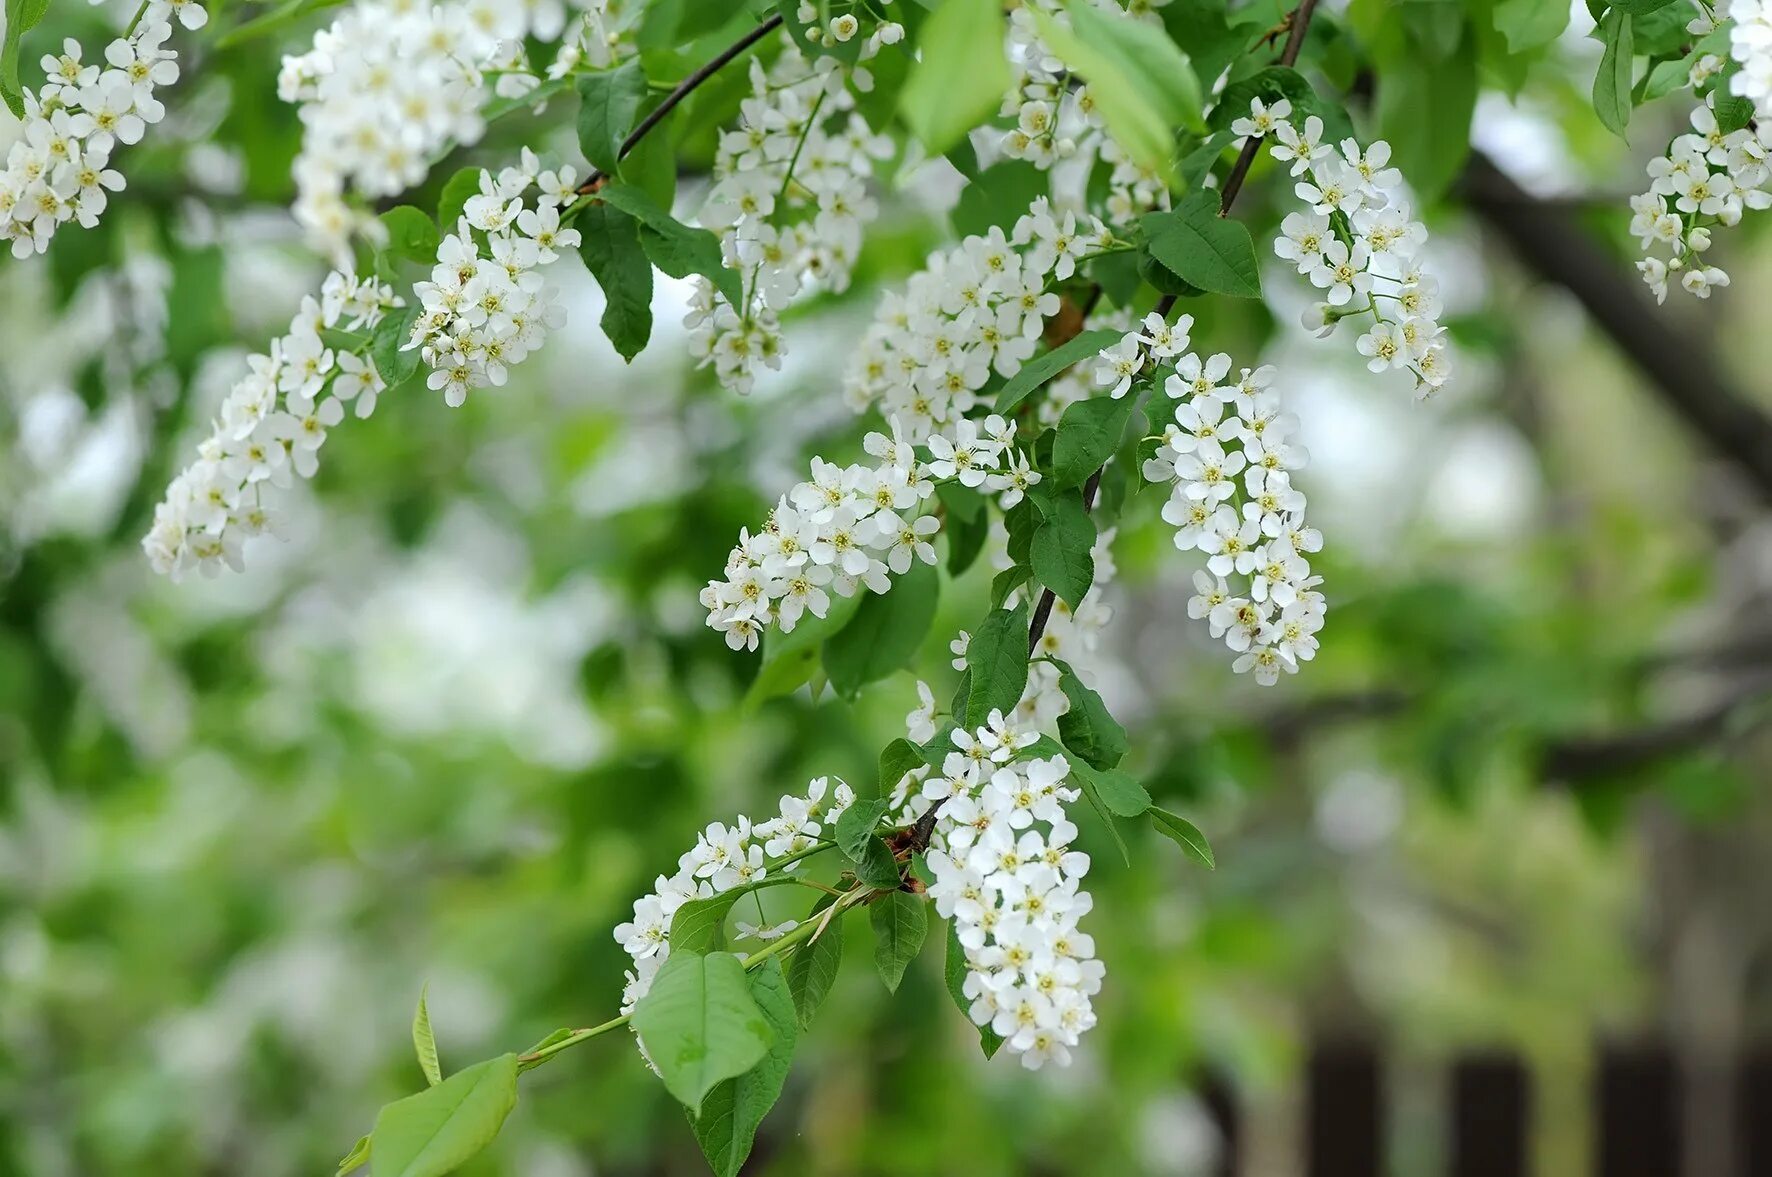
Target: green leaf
x,y
700,924
700,1025
1208,250
1122,794
1088,434
900,924
1272,84
954,972
411,234
812,969
1011,184
457,191
1733,113
395,365
961,74
1184,834
1530,24
1612,81
358,1155
1089,731
968,525
896,759
608,102
997,664
1043,368
674,247
442,1128
424,1043
734,1108
609,243
21,17
885,632
1142,85
856,827
1088,781
1424,110
791,659
1063,550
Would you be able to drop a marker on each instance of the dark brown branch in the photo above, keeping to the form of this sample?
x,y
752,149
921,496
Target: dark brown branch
x,y
683,90
1691,384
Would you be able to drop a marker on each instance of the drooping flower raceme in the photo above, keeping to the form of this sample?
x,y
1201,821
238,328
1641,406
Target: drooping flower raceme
x,y
484,312
1356,241
789,202
725,858
59,169
389,85
1707,178
847,527
1228,457
975,309
1007,875
269,431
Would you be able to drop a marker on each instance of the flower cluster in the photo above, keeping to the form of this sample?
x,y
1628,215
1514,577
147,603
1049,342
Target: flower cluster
x,y
1055,118
789,202
1006,874
1708,177
1228,460
271,426
975,309
1357,243
388,86
723,859
58,170
1750,44
486,311
850,526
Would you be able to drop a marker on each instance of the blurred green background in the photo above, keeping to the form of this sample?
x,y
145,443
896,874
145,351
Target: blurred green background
x,y
451,728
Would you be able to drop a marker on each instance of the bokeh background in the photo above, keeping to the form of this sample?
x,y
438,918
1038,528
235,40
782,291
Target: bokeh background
x,y
449,729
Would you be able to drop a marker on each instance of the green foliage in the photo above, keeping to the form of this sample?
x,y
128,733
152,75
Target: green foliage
x,y
412,236
812,969
954,975
609,243
460,188
885,632
442,1128
997,664
1206,249
1040,370
671,245
1612,81
424,1043
394,361
1088,730
700,924
960,75
733,1108
900,921
21,17
700,1025
608,104
1143,85
1184,834
1062,549
1088,434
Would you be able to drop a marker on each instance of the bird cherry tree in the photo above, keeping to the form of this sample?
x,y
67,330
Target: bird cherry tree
x,y
1041,373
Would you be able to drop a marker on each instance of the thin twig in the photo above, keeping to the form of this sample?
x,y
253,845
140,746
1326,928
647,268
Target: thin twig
x,y
683,90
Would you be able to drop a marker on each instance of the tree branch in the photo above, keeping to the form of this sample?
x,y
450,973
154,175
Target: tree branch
x,y
683,90
1690,383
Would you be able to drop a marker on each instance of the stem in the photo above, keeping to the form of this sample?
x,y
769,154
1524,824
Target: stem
x,y
683,90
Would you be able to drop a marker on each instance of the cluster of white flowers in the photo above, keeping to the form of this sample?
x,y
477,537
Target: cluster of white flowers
x,y
1357,244
725,858
389,85
271,426
789,201
1707,178
485,312
58,170
1232,496
1006,874
1750,44
1055,118
856,525
975,309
